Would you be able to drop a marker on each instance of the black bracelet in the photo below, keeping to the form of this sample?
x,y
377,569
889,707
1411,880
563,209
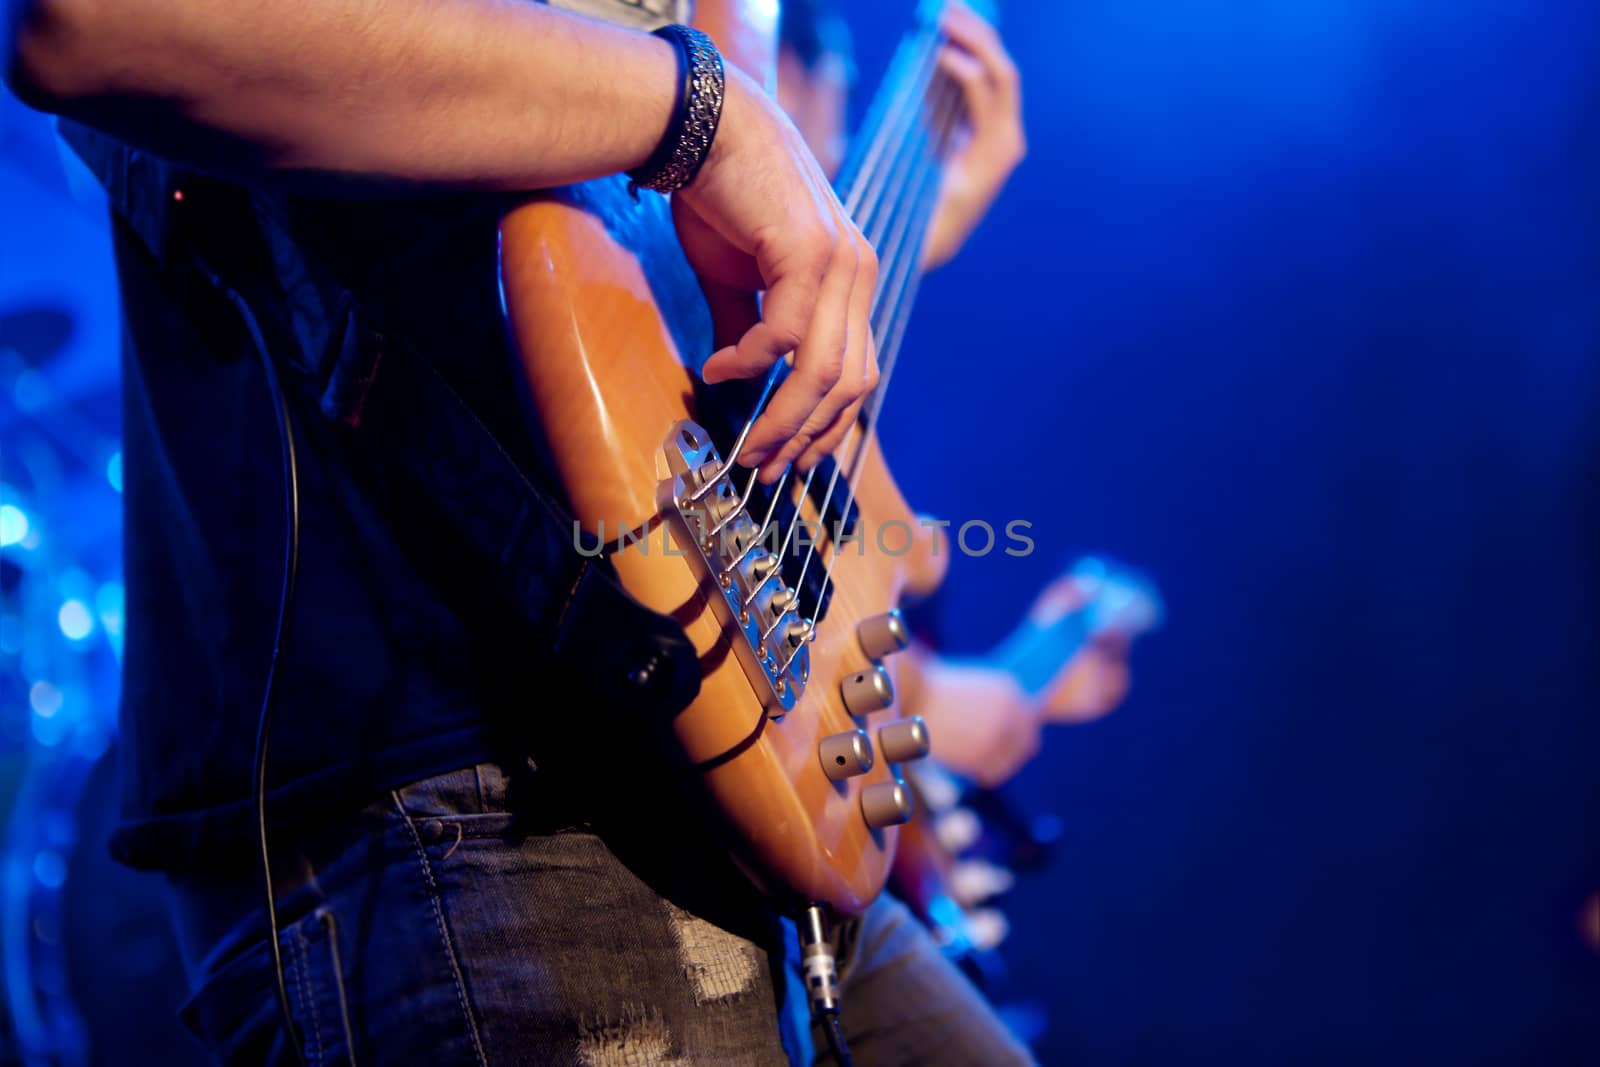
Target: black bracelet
x,y
695,114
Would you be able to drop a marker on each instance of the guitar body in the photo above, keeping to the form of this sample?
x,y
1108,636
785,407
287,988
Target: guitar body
x,y
610,327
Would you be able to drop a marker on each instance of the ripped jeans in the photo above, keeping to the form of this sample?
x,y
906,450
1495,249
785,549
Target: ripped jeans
x,y
459,921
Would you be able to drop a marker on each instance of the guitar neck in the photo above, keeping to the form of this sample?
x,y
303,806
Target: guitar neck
x,y
890,182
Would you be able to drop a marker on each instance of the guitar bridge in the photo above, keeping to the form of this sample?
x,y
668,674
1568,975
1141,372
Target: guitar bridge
x,y
741,567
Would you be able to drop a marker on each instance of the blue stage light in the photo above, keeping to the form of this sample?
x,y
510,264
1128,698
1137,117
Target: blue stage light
x,y
45,699
114,471
75,620
13,525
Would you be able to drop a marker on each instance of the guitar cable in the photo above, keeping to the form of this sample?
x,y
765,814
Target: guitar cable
x,y
836,1042
286,598
819,966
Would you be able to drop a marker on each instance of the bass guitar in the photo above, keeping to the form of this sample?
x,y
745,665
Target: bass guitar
x,y
792,733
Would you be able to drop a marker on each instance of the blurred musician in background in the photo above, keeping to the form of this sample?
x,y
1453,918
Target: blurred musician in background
x,y
968,842
983,725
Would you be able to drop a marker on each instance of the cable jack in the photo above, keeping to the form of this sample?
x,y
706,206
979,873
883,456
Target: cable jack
x,y
820,966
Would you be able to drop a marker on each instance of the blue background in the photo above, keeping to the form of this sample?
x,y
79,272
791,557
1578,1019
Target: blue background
x,y
1296,305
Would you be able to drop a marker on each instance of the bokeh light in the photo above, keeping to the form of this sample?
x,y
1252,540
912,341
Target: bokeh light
x,y
74,619
13,525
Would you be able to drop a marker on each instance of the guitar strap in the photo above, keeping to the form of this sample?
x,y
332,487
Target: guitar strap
x,y
405,416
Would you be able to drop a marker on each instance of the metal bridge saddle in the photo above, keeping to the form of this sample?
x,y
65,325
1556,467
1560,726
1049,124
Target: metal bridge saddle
x,y
751,595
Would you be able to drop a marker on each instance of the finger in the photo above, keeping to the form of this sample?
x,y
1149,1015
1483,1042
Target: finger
x,y
734,312
978,93
825,416
1113,644
792,417
828,441
1062,595
786,311
966,28
833,436
1094,689
831,419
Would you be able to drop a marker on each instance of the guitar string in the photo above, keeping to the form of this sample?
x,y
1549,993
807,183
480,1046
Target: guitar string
x,y
940,104
910,223
867,162
950,113
885,186
904,172
895,334
857,466
857,179
866,198
906,223
888,107
866,152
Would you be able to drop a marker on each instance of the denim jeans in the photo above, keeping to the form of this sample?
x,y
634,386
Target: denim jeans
x,y
464,919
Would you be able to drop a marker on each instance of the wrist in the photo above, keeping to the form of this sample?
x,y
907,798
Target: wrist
x,y
735,102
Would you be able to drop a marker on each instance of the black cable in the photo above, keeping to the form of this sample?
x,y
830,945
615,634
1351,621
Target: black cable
x,y
836,1043
291,567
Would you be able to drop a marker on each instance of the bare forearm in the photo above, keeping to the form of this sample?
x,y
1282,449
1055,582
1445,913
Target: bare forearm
x,y
488,94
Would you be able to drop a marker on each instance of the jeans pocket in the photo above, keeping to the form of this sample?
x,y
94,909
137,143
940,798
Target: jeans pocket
x,y
235,1013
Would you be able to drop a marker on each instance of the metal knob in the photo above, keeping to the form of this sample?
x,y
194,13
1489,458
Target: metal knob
x,y
886,804
883,634
783,600
867,691
846,755
904,740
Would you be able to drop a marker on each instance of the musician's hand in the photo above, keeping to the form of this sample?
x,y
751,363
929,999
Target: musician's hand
x,y
980,722
1095,681
992,141
762,216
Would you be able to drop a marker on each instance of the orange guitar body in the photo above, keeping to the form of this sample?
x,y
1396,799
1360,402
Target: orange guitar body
x,y
610,327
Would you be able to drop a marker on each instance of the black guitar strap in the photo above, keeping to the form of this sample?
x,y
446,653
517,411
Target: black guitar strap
x,y
404,414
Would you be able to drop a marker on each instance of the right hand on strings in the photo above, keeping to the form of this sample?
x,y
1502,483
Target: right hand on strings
x,y
761,216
